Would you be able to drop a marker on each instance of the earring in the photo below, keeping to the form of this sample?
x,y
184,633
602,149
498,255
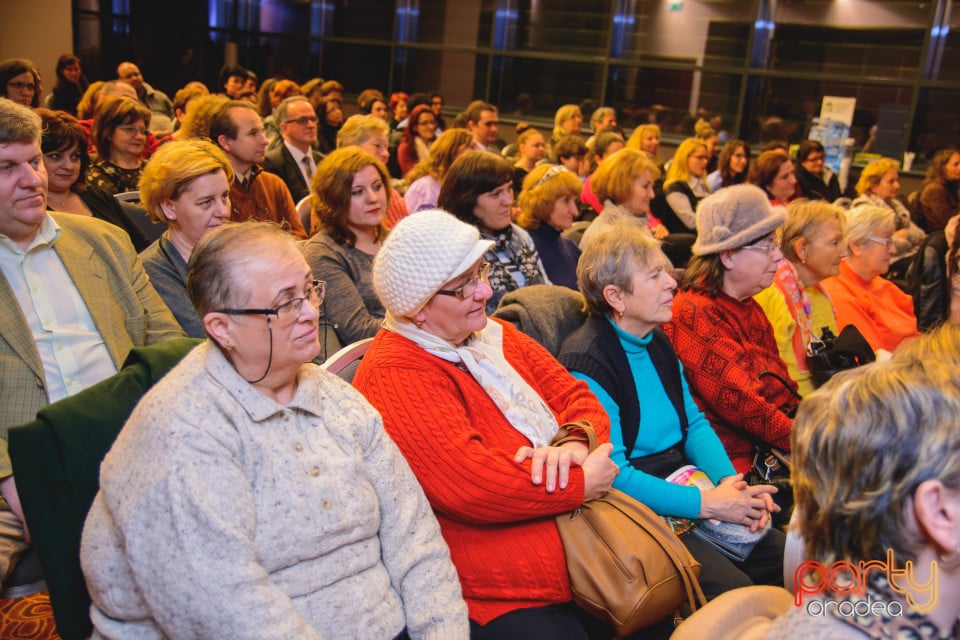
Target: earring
x,y
619,315
950,561
227,346
419,323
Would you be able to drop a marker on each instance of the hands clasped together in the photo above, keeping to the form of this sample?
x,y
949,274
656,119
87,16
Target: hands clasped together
x,y
733,500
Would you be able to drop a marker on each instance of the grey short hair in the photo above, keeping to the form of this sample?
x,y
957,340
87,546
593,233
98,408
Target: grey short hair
x,y
18,123
866,220
215,278
281,112
606,259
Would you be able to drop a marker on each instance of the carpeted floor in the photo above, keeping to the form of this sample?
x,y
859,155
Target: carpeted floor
x,y
28,618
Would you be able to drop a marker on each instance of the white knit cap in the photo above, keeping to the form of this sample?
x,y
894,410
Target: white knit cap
x,y
423,252
734,217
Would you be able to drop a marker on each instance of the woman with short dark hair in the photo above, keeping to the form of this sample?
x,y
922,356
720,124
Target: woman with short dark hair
x,y
478,189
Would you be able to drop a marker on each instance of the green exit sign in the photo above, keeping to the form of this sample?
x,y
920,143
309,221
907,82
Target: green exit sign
x,y
676,6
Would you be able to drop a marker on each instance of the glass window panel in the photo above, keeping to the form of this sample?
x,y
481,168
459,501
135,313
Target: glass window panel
x,y
936,124
356,67
782,108
888,53
651,29
455,73
549,83
644,94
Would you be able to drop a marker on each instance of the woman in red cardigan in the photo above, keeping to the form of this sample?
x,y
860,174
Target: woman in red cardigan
x,y
473,405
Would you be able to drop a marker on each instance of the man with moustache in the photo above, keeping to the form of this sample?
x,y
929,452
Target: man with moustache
x,y
74,300
255,194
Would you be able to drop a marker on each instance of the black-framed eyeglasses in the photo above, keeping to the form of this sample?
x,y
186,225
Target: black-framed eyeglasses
x,y
467,290
22,86
289,310
303,121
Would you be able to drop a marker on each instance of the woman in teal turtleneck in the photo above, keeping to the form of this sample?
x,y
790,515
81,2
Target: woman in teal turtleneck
x,y
655,426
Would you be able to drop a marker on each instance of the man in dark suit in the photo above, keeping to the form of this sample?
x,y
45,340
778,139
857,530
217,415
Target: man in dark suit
x,y
295,160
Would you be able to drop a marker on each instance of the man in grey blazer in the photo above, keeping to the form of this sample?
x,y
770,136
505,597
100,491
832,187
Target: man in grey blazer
x,y
295,159
74,299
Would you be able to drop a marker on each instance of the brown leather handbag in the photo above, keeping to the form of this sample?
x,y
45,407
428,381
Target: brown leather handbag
x,y
625,563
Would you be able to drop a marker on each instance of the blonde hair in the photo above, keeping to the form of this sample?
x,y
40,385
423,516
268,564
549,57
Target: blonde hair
x,y
636,138
541,191
874,172
613,179
564,113
199,113
359,128
803,218
679,171
171,170
863,443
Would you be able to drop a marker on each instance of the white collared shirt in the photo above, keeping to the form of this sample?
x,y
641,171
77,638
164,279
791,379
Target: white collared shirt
x,y
71,348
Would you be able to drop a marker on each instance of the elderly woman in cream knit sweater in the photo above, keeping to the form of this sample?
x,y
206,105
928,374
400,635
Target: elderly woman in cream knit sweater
x,y
251,495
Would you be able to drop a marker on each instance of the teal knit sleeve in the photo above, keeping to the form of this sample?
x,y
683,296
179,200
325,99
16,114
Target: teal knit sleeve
x,y
664,498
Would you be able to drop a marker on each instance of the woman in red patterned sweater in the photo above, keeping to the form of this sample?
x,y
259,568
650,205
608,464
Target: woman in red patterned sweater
x,y
721,334
473,405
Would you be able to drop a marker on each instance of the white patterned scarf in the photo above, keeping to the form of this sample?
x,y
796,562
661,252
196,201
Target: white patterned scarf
x,y
482,355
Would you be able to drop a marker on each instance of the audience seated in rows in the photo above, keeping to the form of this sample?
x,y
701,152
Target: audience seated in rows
x,y
499,396
621,353
64,146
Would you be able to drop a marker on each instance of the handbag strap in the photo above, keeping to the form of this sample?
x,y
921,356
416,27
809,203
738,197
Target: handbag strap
x,y
577,431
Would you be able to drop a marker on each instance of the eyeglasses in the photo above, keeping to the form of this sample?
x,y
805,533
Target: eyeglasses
x,y
287,311
886,242
467,290
22,86
131,130
303,121
767,247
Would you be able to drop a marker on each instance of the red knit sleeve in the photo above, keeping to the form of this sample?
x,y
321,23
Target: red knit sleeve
x,y
722,366
455,439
